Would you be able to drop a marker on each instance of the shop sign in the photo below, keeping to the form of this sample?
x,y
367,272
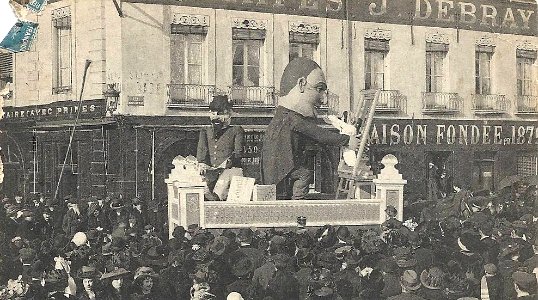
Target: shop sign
x,y
56,111
457,133
502,16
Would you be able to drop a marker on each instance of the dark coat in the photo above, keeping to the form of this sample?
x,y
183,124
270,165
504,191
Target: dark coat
x,y
214,151
284,141
283,286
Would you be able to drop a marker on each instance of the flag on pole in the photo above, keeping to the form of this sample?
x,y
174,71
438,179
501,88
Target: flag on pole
x,y
36,5
20,37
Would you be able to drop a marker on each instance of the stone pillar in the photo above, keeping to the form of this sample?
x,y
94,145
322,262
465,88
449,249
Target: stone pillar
x,y
389,186
185,194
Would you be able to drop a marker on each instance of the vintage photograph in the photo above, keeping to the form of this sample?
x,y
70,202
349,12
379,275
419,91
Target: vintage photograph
x,y
269,149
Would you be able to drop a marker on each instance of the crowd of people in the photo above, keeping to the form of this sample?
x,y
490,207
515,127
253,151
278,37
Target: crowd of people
x,y
105,249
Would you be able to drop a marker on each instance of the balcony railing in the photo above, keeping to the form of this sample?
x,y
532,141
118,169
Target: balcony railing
x,y
253,96
390,101
190,95
527,104
441,103
490,104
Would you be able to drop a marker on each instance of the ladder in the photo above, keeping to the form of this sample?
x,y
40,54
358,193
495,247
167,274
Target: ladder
x,y
98,164
360,174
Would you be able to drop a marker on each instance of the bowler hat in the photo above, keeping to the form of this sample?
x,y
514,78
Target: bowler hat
x,y
220,103
524,281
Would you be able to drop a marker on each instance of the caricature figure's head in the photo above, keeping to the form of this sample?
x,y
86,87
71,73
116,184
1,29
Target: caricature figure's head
x,y
303,87
220,109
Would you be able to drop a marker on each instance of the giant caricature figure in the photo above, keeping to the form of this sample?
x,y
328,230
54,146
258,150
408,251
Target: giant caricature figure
x,y
302,89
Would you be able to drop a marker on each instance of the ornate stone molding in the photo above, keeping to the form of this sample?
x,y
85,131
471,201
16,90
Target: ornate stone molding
x,y
249,24
61,12
191,20
302,27
526,45
438,38
485,41
378,34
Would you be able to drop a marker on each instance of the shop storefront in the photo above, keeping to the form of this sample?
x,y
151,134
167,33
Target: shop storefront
x,y
435,155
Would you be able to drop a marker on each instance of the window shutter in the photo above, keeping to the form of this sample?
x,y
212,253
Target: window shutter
x,y
185,29
436,47
6,65
485,48
376,45
526,53
248,34
307,38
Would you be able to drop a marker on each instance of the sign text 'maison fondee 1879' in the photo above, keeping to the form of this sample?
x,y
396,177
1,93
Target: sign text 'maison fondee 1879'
x,y
453,133
502,16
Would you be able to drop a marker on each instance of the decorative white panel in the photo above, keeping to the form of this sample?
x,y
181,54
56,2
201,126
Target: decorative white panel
x,y
437,38
61,12
302,27
249,24
378,34
526,45
485,41
191,20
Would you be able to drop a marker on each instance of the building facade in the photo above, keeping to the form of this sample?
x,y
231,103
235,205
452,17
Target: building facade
x,y
459,100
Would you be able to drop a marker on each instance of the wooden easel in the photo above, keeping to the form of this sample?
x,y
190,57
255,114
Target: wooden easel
x,y
360,173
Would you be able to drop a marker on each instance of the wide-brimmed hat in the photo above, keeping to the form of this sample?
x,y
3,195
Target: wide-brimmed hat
x,y
88,272
179,232
116,203
409,280
404,257
115,274
143,272
433,278
242,267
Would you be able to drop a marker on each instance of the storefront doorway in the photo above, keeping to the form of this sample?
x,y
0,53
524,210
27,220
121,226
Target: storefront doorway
x,y
440,173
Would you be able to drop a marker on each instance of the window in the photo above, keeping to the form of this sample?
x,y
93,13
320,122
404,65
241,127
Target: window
x,y
526,85
187,59
72,156
483,72
62,59
374,70
435,66
246,69
6,69
302,50
527,165
303,45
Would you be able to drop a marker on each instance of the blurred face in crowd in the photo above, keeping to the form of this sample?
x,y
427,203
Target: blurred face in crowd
x,y
117,283
147,283
46,216
87,283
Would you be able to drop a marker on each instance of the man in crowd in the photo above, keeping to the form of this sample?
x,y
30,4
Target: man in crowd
x,y
220,145
302,91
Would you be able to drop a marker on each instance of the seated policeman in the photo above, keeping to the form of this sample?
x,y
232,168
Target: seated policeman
x,y
302,91
220,145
